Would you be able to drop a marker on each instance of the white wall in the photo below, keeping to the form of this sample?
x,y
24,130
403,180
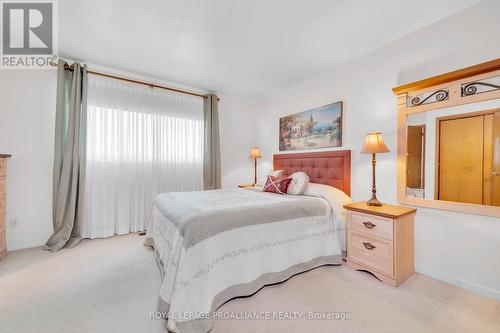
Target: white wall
x,y
237,137
454,247
27,111
27,118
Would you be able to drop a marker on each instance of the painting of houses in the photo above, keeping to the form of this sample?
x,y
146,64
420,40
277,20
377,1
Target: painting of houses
x,y
316,128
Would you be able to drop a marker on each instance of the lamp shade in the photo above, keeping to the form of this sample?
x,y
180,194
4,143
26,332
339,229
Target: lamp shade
x,y
255,153
374,144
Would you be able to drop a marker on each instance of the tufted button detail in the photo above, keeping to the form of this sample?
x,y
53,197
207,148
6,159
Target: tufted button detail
x,y
323,170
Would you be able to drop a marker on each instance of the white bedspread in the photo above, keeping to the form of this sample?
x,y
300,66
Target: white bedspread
x,y
212,246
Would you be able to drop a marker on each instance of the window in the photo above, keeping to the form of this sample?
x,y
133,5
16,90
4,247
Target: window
x,y
140,142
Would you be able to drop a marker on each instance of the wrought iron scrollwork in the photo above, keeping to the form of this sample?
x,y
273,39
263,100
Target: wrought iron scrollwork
x,y
471,88
439,95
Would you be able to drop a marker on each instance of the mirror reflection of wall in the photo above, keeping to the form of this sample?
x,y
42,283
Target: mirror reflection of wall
x,y
453,154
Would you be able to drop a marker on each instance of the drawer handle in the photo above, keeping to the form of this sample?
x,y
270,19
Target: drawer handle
x,y
369,225
369,246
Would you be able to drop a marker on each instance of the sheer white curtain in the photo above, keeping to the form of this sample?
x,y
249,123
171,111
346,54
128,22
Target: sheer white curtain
x,y
140,142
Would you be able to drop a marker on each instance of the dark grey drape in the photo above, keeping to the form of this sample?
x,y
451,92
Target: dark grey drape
x,y
69,157
211,154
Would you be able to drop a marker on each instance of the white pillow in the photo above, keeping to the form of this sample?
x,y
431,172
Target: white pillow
x,y
298,184
275,173
335,197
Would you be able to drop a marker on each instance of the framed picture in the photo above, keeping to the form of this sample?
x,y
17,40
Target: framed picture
x,y
316,128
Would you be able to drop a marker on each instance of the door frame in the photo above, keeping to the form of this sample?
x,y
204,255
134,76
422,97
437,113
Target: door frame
x,y
422,161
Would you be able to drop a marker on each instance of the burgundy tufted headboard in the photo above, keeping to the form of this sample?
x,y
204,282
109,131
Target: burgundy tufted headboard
x,y
330,167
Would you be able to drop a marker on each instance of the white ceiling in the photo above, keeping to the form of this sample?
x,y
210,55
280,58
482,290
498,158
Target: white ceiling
x,y
245,48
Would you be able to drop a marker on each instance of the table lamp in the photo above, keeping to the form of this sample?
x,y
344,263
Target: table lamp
x,y
255,154
374,144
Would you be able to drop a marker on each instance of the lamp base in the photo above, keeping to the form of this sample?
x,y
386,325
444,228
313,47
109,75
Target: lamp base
x,y
373,202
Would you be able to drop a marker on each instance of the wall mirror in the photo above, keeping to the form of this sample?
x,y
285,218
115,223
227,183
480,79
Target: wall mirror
x,y
449,141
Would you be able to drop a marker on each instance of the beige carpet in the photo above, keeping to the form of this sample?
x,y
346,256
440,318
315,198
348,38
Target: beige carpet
x,y
111,285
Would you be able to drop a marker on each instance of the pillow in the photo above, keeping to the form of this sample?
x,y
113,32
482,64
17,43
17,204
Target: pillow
x,y
298,184
335,197
277,185
274,173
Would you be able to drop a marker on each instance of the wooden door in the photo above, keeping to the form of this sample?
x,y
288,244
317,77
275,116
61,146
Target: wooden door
x,y
461,160
415,156
488,129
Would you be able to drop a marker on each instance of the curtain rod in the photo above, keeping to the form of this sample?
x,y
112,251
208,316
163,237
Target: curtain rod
x,y
149,84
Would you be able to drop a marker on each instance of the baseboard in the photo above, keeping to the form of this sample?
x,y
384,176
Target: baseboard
x,y
477,288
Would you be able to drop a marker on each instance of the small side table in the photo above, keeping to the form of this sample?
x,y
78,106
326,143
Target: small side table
x,y
380,241
246,185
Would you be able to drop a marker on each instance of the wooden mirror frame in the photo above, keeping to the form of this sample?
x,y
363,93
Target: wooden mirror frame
x,y
442,91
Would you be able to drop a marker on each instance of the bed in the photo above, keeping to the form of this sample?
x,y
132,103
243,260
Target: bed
x,y
212,246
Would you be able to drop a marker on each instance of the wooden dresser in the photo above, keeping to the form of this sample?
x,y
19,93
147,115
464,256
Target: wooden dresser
x,y
380,240
3,204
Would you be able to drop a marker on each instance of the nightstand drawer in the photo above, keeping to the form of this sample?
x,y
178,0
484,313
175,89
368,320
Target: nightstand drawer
x,y
375,253
373,226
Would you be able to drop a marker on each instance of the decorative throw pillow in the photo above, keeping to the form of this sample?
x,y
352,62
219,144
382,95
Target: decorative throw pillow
x,y
299,183
275,173
277,185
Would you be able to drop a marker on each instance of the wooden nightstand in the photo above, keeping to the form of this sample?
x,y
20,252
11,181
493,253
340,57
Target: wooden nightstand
x,y
380,240
3,204
246,185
